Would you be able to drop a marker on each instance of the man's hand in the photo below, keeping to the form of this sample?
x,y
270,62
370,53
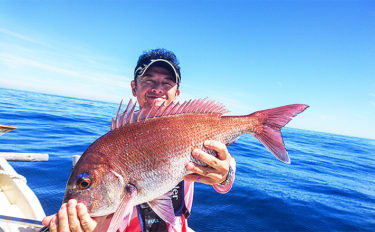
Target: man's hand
x,y
72,217
218,167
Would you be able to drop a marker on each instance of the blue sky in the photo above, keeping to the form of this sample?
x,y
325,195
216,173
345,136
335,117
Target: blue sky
x,y
249,55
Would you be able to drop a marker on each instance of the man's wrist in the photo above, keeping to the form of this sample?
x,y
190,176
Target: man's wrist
x,y
228,177
225,186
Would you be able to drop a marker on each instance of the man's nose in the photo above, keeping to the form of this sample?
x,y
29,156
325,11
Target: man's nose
x,y
157,88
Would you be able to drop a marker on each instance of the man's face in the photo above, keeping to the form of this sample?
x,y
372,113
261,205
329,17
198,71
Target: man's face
x,y
157,85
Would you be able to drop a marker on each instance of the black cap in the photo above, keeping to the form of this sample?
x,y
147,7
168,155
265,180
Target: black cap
x,y
158,57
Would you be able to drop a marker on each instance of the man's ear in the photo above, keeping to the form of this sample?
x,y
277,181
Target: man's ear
x,y
177,92
134,88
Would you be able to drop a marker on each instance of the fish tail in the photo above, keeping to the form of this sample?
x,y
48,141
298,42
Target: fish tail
x,y
267,130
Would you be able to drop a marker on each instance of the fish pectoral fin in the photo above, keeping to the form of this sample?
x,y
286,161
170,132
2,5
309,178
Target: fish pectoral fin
x,y
124,209
163,207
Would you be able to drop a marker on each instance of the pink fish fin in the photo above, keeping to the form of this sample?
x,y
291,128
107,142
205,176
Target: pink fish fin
x,y
168,109
140,115
190,106
217,107
153,111
113,124
163,207
271,121
210,106
187,105
121,118
203,105
193,105
116,121
148,112
206,106
157,112
131,118
175,108
180,108
125,114
161,110
221,109
124,209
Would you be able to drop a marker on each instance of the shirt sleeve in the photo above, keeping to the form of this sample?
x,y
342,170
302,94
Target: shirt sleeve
x,y
224,188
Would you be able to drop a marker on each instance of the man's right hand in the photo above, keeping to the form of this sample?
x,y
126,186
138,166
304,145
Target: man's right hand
x,y
73,217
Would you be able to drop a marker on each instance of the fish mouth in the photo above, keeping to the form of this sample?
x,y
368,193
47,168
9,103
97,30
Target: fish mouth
x,y
69,194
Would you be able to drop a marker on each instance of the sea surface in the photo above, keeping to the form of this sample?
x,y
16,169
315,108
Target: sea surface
x,y
330,185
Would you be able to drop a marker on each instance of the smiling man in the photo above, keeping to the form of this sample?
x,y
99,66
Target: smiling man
x,y
156,81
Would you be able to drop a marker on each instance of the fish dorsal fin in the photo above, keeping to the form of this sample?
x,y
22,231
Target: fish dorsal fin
x,y
198,106
163,207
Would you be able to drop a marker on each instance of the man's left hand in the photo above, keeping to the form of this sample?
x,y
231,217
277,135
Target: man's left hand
x,y
218,167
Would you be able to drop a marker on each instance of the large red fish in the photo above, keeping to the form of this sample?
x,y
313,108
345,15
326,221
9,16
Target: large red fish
x,y
144,154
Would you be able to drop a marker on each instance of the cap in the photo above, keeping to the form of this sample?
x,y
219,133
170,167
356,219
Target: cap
x,y
142,68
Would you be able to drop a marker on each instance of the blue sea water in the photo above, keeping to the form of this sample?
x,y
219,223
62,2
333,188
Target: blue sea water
x,y
330,185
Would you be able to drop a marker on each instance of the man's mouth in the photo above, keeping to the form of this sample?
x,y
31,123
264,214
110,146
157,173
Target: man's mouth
x,y
157,100
155,97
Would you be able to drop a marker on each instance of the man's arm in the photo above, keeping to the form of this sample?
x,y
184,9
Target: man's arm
x,y
218,169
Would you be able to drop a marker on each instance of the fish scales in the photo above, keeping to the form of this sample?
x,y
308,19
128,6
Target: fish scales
x,y
149,156
153,159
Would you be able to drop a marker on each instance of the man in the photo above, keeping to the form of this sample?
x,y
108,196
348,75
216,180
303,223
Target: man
x,y
156,81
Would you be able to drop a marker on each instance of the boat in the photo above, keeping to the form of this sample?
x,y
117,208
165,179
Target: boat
x,y
20,209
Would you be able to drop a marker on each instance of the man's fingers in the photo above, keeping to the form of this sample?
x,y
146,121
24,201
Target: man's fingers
x,y
63,222
206,158
210,160
199,178
53,224
47,220
87,223
218,167
220,148
204,171
74,223
71,217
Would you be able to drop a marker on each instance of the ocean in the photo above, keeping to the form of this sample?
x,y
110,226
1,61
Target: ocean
x,y
329,186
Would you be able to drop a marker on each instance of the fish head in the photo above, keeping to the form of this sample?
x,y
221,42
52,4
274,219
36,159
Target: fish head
x,y
97,185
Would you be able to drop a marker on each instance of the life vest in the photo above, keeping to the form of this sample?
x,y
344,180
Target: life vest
x,y
149,221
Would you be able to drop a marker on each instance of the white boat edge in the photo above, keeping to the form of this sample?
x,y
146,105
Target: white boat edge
x,y
17,200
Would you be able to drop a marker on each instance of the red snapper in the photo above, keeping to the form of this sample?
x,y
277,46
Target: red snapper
x,y
144,154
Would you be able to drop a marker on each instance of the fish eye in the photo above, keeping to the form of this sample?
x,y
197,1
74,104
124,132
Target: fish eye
x,y
83,183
